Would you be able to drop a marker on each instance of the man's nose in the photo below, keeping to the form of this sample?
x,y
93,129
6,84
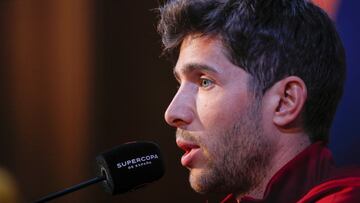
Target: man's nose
x,y
180,112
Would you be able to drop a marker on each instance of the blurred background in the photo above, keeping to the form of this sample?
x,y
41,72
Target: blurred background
x,y
78,77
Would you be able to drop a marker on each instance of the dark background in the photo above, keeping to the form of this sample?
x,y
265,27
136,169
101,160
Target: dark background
x,y
134,87
345,135
79,77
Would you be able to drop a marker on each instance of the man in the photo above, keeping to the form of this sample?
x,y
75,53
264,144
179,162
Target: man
x,y
259,84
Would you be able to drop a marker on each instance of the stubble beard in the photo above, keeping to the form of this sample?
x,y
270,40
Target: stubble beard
x,y
238,159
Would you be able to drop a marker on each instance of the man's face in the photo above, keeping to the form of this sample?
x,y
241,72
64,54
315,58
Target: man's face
x,y
218,120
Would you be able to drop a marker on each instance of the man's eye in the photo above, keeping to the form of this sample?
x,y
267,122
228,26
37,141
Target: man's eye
x,y
206,83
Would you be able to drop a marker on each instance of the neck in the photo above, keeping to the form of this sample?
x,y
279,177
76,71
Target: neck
x,y
286,150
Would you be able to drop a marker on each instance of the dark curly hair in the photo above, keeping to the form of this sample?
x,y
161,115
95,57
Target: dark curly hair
x,y
269,39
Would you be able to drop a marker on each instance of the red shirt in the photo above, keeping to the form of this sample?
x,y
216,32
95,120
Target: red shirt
x,y
310,177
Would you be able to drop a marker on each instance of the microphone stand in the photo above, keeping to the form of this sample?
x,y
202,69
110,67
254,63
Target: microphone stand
x,y
70,189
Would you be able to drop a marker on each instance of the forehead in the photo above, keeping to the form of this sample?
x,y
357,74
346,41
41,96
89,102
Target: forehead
x,y
207,52
197,41
196,47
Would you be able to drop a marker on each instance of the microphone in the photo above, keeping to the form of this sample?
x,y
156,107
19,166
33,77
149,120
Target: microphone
x,y
124,168
130,166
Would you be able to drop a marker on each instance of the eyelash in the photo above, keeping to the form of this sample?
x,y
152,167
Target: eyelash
x,y
201,83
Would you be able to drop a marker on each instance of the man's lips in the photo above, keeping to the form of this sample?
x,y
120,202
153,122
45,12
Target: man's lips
x,y
191,151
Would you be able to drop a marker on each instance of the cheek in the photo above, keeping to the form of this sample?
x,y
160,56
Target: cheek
x,y
210,110
218,110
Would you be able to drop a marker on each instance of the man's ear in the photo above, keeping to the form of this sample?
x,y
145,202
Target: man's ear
x,y
291,94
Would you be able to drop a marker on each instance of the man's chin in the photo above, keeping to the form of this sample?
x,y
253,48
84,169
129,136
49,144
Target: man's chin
x,y
199,181
194,179
198,187
206,181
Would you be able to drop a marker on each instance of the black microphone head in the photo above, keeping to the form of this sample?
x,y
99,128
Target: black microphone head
x,y
130,166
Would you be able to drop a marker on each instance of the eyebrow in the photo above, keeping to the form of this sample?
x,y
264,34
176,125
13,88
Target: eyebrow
x,y
190,67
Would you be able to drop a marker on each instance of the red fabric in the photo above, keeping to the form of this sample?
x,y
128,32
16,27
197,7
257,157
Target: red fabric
x,y
342,190
229,199
310,177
